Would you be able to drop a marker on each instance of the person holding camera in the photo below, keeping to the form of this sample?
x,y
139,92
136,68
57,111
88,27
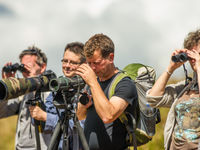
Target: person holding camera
x,y
183,123
33,63
102,128
72,58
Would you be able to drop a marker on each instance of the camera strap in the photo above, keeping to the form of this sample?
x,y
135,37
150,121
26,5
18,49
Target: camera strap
x,y
187,78
194,85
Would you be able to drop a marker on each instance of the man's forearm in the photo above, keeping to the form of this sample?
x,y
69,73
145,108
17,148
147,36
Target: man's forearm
x,y
81,111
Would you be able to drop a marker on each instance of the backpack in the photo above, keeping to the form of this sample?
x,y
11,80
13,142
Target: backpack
x,y
142,130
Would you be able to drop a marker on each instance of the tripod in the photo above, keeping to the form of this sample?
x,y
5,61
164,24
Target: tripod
x,y
63,123
39,125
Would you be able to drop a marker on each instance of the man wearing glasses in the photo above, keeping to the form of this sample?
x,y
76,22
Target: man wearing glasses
x,y
35,62
102,128
72,58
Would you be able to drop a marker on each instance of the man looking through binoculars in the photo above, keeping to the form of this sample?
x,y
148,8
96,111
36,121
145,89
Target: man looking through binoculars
x,y
34,63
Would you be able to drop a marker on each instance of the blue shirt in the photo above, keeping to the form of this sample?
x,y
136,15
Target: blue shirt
x,y
52,119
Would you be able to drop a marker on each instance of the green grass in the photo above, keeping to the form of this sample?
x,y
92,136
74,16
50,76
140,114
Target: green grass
x,y
157,142
8,128
7,133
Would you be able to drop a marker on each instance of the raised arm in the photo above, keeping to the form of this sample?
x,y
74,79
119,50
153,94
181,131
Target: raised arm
x,y
159,87
108,110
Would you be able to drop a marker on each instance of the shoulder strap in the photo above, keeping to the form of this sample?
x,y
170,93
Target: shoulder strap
x,y
114,83
123,118
186,88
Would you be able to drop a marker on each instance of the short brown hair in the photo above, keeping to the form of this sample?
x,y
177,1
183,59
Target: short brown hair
x,y
77,48
192,39
33,50
99,42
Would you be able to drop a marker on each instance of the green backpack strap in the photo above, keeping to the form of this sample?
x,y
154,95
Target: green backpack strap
x,y
123,118
114,83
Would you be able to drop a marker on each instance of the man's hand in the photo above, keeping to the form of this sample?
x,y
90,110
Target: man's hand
x,y
30,70
8,74
88,75
195,58
82,109
37,113
174,65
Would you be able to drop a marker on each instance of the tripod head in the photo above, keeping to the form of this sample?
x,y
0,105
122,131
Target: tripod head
x,y
66,93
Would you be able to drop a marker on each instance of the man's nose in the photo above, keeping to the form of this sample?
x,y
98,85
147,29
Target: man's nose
x,y
67,64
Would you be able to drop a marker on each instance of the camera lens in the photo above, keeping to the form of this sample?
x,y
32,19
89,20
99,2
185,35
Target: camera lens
x,y
84,99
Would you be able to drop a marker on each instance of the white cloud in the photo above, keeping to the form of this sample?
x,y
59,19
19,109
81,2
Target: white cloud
x,y
143,31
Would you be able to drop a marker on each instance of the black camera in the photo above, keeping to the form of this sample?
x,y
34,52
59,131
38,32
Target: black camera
x,y
84,98
180,57
14,68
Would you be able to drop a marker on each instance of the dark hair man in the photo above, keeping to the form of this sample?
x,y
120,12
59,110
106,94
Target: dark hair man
x,y
103,129
72,58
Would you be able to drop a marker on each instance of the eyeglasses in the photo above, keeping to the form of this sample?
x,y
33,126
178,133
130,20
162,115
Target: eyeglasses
x,y
65,61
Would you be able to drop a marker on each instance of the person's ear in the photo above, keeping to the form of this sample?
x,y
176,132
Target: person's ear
x,y
43,67
111,57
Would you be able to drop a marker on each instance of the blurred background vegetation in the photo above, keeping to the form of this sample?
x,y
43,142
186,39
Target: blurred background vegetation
x,y
8,127
157,142
7,133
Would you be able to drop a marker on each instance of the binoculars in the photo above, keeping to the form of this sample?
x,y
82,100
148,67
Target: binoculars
x,y
180,57
14,68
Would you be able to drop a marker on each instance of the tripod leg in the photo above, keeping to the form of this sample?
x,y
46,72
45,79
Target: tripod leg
x,y
65,134
55,139
81,135
37,134
75,138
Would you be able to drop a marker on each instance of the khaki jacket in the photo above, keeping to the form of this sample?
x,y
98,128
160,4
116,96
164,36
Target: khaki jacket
x,y
25,132
167,100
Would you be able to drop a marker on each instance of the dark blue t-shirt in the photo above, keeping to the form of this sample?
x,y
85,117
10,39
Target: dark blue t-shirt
x,y
111,136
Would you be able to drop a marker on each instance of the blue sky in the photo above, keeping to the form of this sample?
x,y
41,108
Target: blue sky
x,y
144,31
